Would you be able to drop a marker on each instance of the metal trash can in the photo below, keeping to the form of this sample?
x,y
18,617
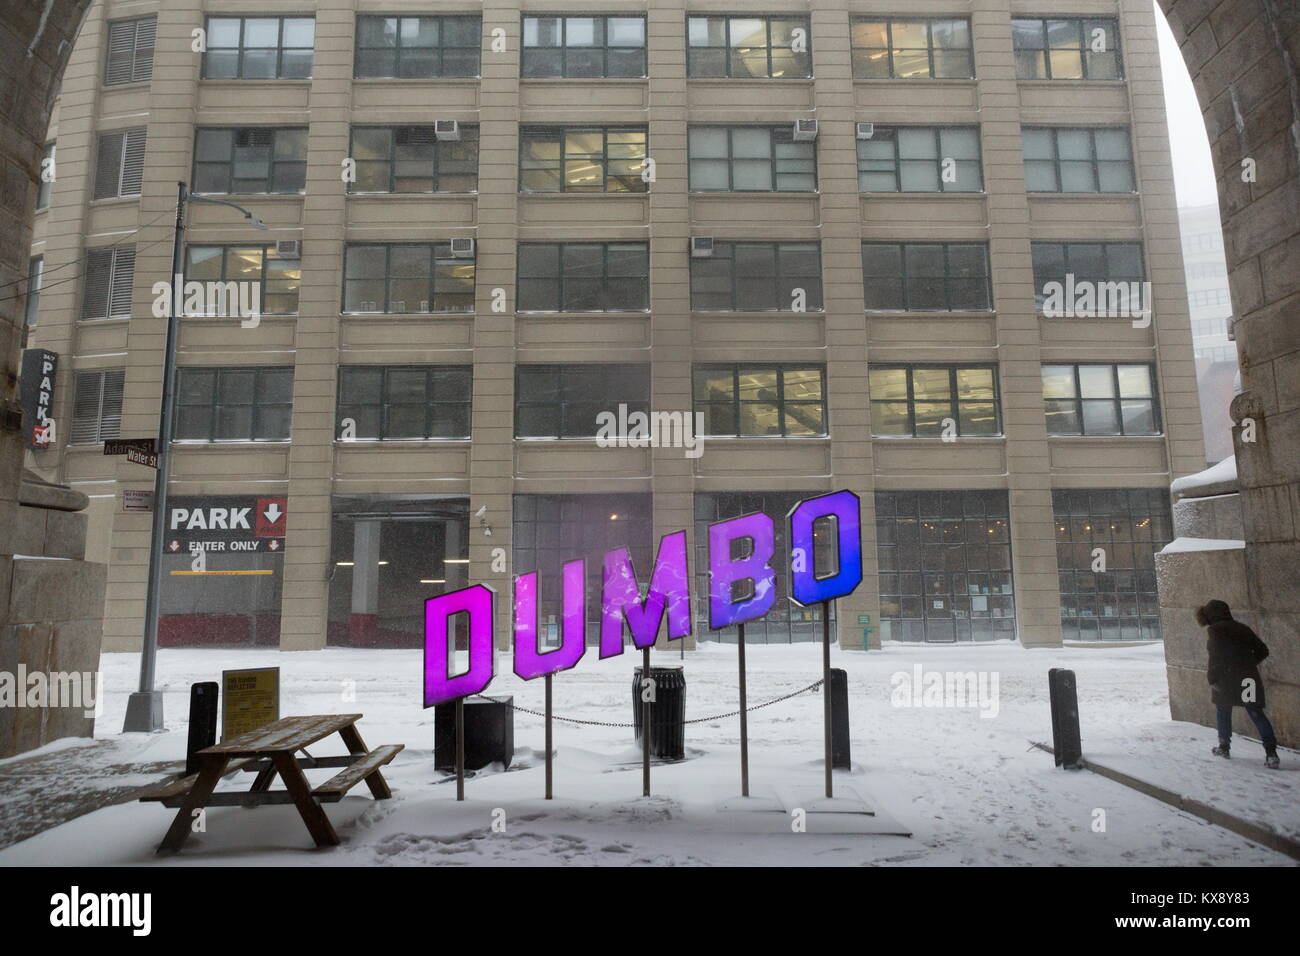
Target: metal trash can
x,y
667,712
489,733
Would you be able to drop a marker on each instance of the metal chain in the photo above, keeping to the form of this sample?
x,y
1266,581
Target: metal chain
x,y
697,720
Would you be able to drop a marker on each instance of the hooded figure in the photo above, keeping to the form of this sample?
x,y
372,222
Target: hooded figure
x,y
1234,653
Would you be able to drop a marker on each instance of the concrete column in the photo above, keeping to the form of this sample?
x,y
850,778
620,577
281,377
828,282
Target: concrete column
x,y
363,626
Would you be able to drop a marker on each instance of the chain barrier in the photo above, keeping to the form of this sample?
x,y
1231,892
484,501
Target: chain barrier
x,y
696,720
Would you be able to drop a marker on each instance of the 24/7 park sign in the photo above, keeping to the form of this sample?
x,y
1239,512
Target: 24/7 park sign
x,y
667,595
233,524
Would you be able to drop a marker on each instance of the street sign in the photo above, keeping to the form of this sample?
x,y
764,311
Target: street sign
x,y
37,395
250,699
227,524
137,500
124,446
147,458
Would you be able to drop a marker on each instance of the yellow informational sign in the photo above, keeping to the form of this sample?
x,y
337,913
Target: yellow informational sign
x,y
249,699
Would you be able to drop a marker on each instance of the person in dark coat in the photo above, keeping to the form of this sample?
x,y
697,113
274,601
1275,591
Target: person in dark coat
x,y
1234,654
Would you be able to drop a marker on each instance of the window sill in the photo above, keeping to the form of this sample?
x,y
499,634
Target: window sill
x,y
752,80
932,440
1044,83
936,80
917,194
113,201
931,314
1084,197
577,80
189,444
412,316
132,85
776,194
372,443
417,80
393,196
108,320
614,314
303,81
1097,439
608,196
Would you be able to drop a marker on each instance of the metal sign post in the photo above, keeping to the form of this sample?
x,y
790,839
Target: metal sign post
x,y
826,689
549,777
645,722
460,748
744,717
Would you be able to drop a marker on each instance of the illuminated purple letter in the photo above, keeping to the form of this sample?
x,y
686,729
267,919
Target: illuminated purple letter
x,y
529,661
805,586
478,602
757,567
620,597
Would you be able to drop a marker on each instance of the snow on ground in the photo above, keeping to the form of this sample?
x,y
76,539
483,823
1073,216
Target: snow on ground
x,y
968,787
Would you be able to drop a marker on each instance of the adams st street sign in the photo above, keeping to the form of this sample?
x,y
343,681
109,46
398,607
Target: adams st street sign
x,y
230,524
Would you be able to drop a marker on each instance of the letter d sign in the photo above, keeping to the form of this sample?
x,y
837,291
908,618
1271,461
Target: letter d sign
x,y
478,603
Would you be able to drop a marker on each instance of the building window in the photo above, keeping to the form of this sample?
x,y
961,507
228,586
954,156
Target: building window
x,y
786,622
1061,159
583,47
1074,49
411,159
762,401
563,401
911,49
933,401
119,164
404,401
35,275
776,47
758,277
548,531
250,159
406,277
46,186
584,277
926,277
1130,525
921,159
1100,400
233,404
259,48
751,159
110,273
96,406
589,159
945,566
418,47
278,278
1091,262
130,51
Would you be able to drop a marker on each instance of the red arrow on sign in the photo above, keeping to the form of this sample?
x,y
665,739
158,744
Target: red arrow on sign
x,y
270,517
174,546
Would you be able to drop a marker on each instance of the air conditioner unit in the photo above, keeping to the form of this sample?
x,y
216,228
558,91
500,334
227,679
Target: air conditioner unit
x,y
288,249
447,130
805,130
462,248
701,247
866,130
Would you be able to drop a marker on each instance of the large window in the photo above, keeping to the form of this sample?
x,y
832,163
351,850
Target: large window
x,y
1128,525
279,278
934,401
768,401
584,277
758,277
777,47
250,159
259,48
418,47
1101,400
106,289
926,277
35,277
583,47
233,404
751,159
119,164
411,159
582,159
406,277
1073,49
1061,159
130,51
563,401
404,401
909,49
96,406
786,622
1091,262
921,159
945,566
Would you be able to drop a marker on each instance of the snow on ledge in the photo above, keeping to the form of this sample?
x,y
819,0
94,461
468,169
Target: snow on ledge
x,y
1180,545
1224,471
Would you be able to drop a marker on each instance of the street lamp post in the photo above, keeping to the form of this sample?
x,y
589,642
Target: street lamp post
x,y
144,708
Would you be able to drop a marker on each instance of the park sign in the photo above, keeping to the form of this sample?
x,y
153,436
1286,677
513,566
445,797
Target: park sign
x,y
225,523
37,396
625,604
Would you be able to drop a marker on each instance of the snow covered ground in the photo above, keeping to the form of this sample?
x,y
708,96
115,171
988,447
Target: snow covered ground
x,y
962,780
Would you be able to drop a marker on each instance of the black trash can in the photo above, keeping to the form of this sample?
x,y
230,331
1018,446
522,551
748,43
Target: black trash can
x,y
667,712
489,733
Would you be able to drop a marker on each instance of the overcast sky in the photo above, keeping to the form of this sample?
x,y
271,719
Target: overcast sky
x,y
1193,171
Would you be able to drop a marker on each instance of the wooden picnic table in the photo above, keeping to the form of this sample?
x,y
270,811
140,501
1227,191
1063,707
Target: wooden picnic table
x,y
269,751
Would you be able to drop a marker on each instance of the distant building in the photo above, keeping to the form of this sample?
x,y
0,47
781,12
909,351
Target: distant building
x,y
1210,303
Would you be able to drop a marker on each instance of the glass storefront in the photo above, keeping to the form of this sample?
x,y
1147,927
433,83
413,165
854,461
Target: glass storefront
x,y
945,566
1119,530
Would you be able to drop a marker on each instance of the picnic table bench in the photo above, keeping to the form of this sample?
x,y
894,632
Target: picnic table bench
x,y
269,751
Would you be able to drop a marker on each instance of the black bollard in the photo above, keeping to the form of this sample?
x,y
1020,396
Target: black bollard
x,y
1066,744
203,722
840,757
